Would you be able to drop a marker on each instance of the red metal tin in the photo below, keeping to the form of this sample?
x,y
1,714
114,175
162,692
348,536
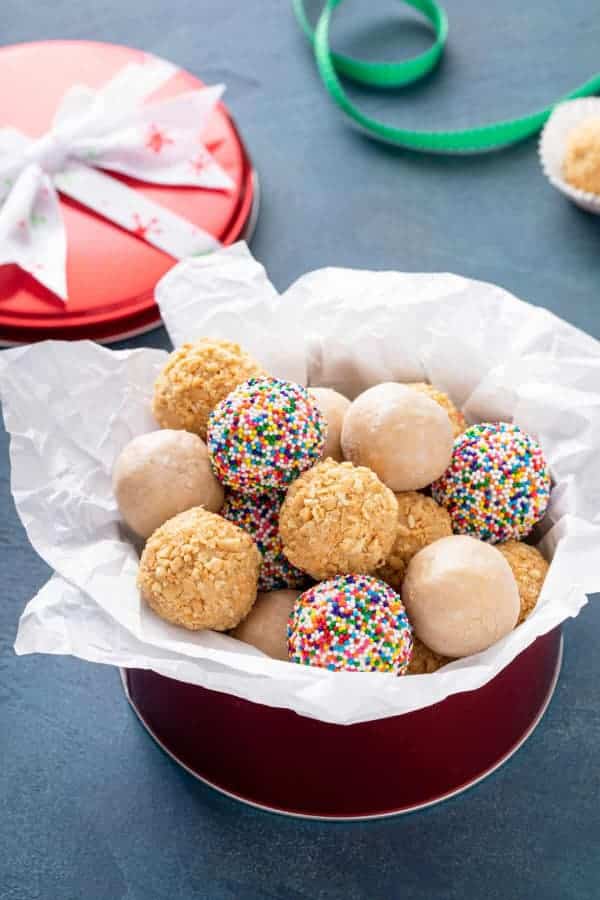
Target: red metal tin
x,y
111,273
286,763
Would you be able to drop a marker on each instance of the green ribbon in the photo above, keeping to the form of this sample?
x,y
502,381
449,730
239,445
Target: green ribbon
x,y
396,74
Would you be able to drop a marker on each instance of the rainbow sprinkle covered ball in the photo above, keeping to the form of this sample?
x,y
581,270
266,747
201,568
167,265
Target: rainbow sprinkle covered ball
x,y
497,485
264,434
258,514
352,622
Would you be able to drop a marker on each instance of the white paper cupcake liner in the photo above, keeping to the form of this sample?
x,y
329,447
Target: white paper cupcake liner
x,y
552,147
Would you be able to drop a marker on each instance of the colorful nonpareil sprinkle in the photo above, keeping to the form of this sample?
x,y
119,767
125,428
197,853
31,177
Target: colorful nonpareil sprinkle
x,y
258,514
264,434
352,622
497,485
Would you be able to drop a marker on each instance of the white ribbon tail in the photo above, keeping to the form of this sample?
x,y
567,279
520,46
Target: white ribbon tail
x,y
32,233
132,210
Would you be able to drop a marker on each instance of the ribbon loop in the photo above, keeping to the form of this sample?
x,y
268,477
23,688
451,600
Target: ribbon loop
x,y
384,75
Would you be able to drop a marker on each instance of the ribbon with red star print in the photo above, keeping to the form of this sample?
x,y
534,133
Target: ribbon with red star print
x,y
113,129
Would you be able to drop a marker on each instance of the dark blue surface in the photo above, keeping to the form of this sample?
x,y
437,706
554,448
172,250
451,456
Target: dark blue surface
x,y
90,807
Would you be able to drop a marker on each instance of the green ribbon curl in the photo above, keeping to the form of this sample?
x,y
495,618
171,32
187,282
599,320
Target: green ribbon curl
x,y
396,74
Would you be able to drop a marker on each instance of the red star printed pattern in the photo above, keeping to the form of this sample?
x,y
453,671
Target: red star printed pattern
x,y
202,161
157,139
142,230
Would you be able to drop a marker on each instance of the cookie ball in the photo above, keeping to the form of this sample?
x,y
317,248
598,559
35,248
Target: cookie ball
x,y
457,420
264,434
402,435
497,485
424,661
421,521
199,571
334,407
460,595
581,166
352,622
195,378
530,569
160,474
258,514
338,518
265,626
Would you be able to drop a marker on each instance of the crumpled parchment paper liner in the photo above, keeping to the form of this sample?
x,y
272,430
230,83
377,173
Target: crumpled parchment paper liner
x,y
71,407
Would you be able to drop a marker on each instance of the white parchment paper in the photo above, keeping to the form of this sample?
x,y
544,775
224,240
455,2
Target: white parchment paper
x,y
71,407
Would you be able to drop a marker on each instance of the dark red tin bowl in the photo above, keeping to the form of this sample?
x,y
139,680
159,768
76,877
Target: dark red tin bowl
x,y
283,762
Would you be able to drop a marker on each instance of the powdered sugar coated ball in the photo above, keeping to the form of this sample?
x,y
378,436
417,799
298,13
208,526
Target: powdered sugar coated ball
x,y
160,474
334,407
265,626
461,596
403,435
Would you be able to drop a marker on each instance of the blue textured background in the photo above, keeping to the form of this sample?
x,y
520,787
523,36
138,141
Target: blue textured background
x,y
90,808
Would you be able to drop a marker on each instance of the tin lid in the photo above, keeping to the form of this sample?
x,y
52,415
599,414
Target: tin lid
x,y
111,273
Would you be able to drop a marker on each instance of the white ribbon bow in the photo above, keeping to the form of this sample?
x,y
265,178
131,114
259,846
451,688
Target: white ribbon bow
x,y
111,128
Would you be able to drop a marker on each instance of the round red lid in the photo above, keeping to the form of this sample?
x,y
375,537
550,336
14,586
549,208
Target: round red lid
x,y
111,273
